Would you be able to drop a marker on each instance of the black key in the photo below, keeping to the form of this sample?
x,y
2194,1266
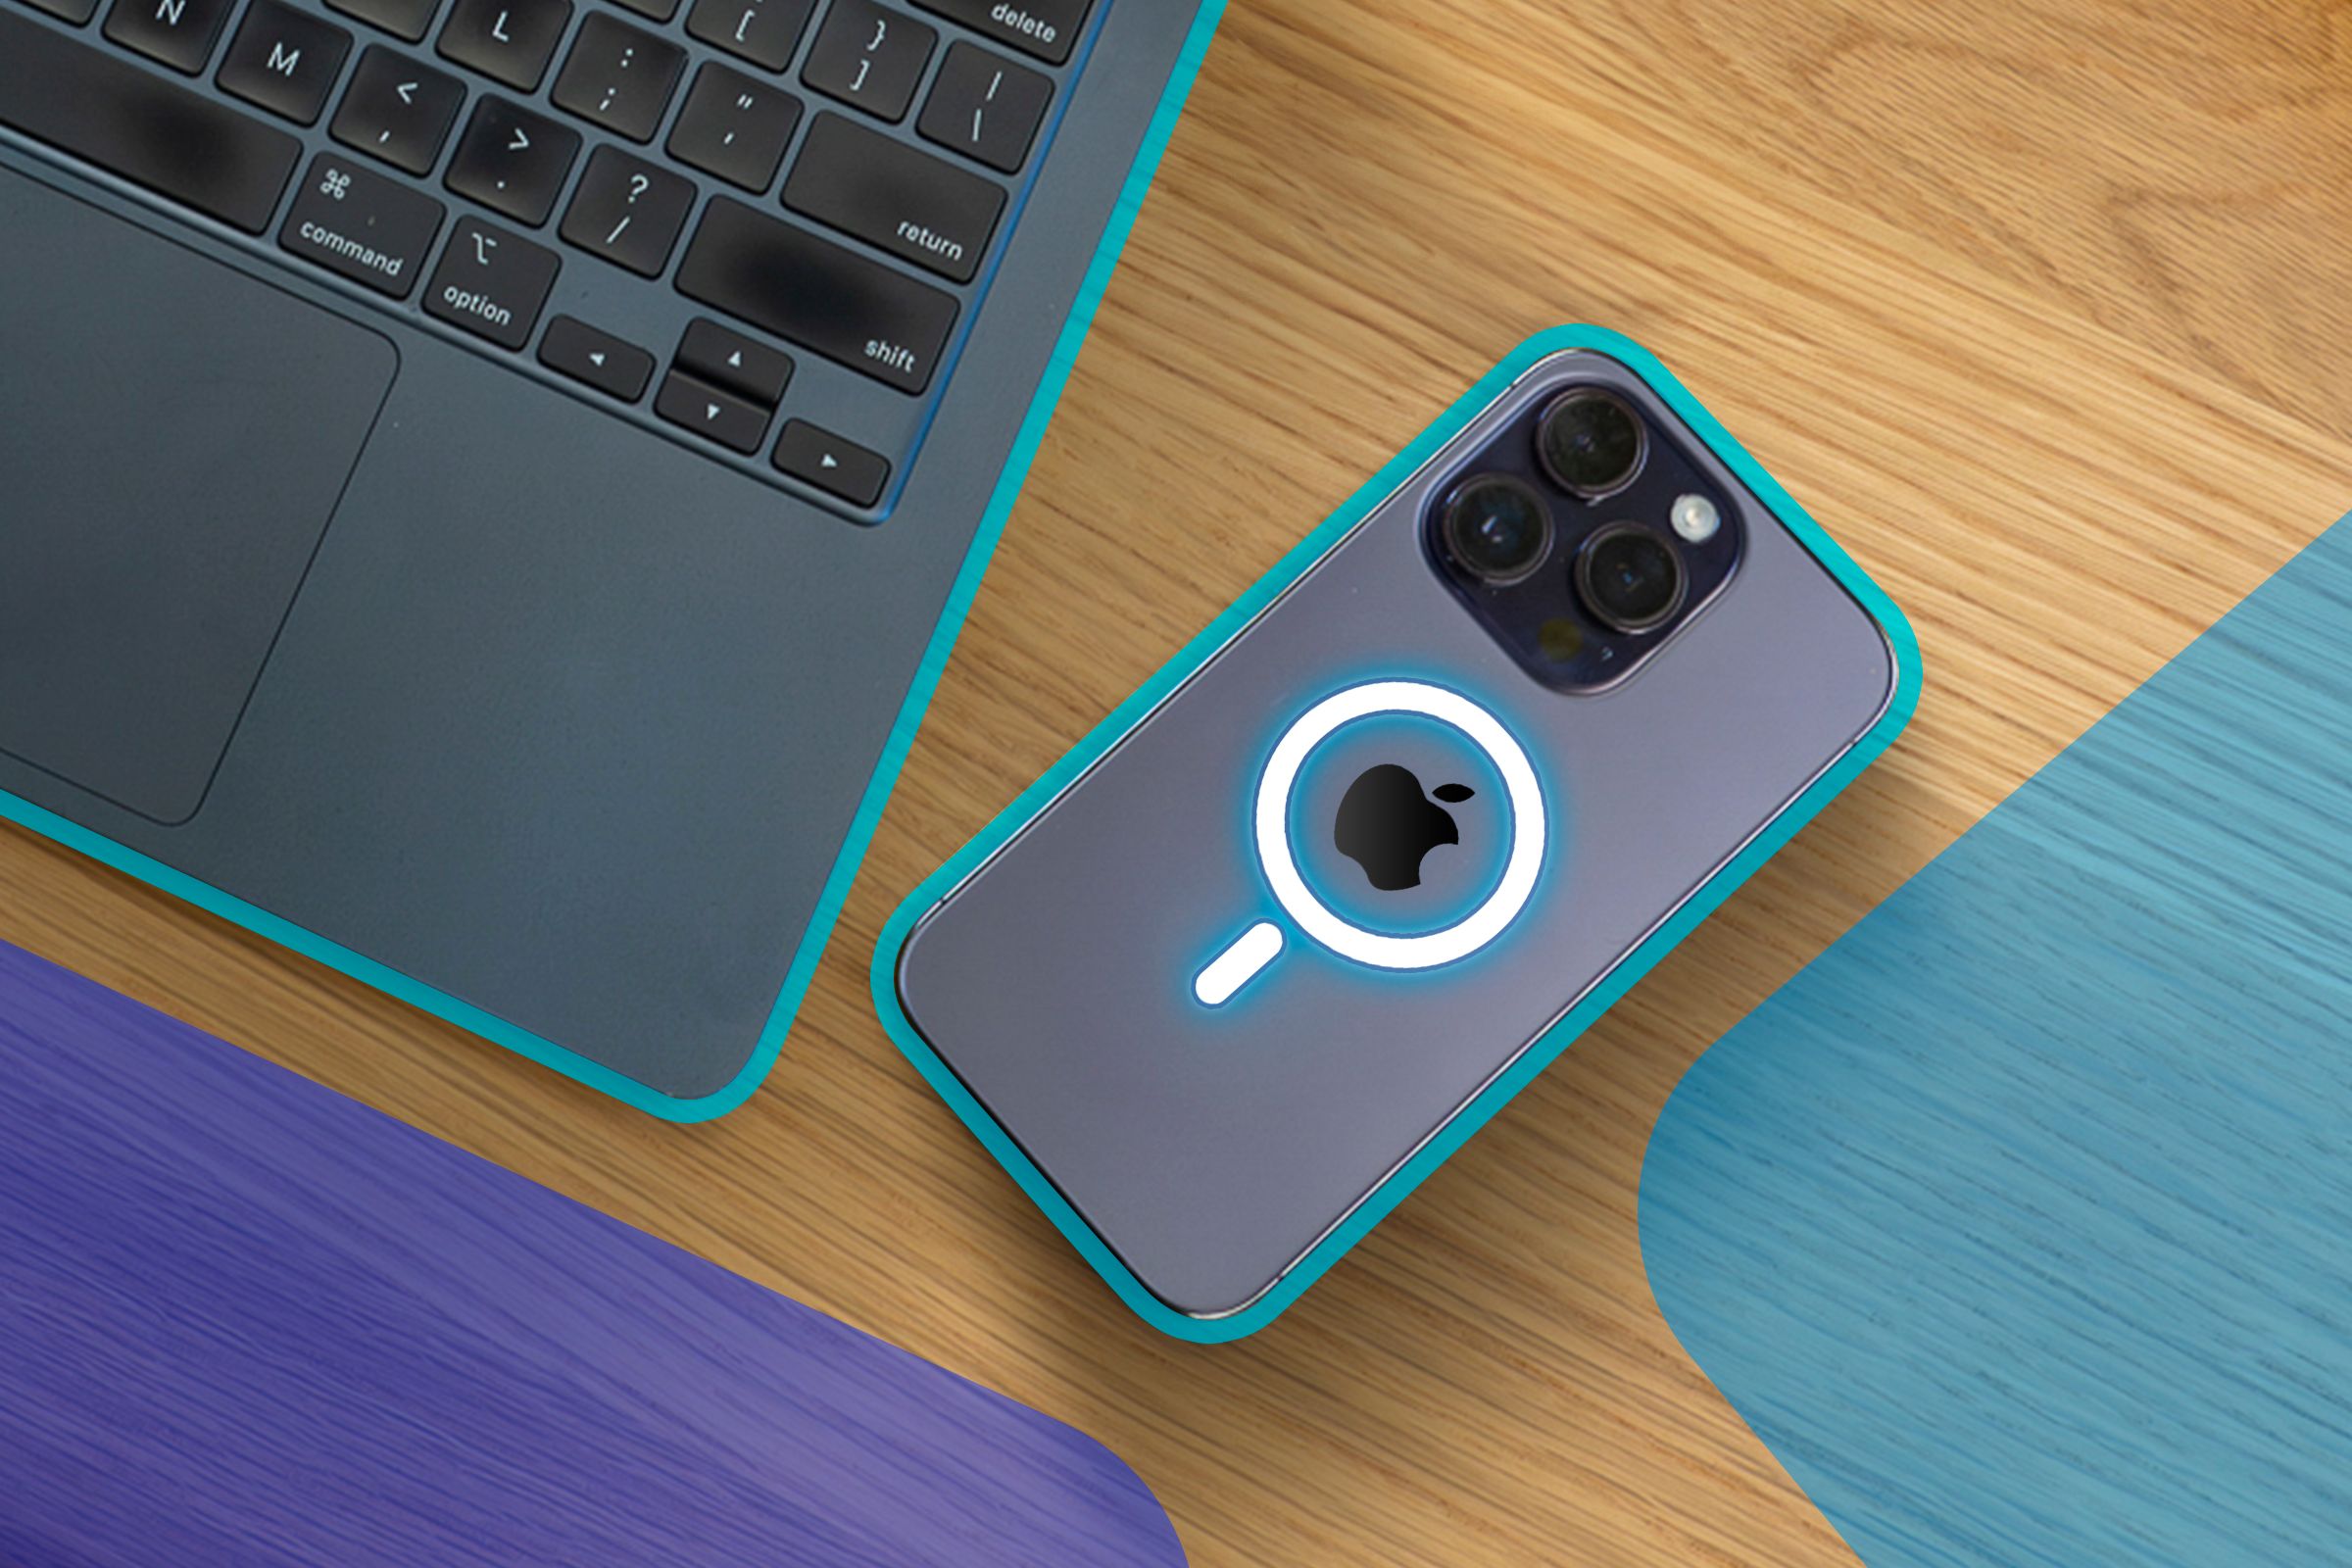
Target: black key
x,y
598,358
405,19
1045,28
492,283
985,107
628,211
512,159
619,78
842,469
180,33
284,60
398,110
511,40
707,410
725,357
895,196
867,55
129,121
373,231
763,32
734,128
814,293
77,12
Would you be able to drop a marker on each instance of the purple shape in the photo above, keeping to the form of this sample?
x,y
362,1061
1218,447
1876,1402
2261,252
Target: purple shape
x,y
246,1320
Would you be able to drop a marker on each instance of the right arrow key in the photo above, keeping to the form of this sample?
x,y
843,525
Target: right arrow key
x,y
841,468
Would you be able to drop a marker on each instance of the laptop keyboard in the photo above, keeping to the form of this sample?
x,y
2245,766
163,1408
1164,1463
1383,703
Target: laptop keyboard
x,y
810,196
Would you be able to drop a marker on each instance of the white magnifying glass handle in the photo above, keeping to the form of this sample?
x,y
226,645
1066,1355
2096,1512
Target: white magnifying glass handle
x,y
1243,958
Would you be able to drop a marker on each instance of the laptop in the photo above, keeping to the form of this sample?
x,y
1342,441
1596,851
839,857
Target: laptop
x,y
486,486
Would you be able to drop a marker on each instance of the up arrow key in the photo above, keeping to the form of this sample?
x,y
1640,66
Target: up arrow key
x,y
596,356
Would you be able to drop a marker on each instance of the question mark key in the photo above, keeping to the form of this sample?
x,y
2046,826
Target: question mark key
x,y
627,210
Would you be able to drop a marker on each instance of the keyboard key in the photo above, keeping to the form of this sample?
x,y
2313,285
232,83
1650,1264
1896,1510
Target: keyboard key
x,y
628,211
889,194
284,60
1045,28
403,19
619,78
511,40
812,292
512,160
129,121
763,32
370,229
492,283
836,466
734,128
707,410
986,108
726,359
656,10
398,110
867,55
180,34
77,12
603,362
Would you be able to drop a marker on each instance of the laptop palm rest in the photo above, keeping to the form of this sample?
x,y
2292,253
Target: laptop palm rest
x,y
174,438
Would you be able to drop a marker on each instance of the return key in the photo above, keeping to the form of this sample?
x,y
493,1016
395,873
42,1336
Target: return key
x,y
887,194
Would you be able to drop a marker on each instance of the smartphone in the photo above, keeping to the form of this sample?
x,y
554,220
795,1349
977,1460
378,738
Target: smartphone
x,y
1265,948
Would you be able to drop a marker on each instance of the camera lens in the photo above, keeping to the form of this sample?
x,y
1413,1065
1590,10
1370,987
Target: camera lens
x,y
1497,528
1591,442
1630,577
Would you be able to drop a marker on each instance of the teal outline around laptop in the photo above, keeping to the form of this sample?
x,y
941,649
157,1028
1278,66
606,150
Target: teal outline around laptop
x,y
811,940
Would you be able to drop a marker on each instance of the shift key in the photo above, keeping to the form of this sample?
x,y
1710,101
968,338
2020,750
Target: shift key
x,y
818,294
369,228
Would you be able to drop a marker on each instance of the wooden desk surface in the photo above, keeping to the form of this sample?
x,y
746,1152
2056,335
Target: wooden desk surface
x,y
2042,307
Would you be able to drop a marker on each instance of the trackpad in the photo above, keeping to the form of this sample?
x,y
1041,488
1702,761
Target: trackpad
x,y
173,436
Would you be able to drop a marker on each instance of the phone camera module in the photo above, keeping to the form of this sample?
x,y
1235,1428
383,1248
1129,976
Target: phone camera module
x,y
1629,577
1497,529
1591,442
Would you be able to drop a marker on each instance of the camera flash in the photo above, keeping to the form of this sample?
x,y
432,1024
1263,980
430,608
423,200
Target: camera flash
x,y
1695,519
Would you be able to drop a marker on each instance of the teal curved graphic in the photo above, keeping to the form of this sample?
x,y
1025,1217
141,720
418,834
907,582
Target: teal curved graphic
x,y
2019,1225
1436,1151
812,946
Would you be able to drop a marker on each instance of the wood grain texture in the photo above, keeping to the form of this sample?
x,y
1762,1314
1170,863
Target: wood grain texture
x,y
2042,310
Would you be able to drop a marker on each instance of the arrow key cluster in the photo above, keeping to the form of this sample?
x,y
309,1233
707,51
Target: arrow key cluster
x,y
723,385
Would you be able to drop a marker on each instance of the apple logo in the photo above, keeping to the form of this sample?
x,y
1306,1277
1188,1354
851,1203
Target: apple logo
x,y
1387,825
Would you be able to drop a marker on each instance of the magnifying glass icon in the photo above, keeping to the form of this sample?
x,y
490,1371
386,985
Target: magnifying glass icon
x,y
1260,945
